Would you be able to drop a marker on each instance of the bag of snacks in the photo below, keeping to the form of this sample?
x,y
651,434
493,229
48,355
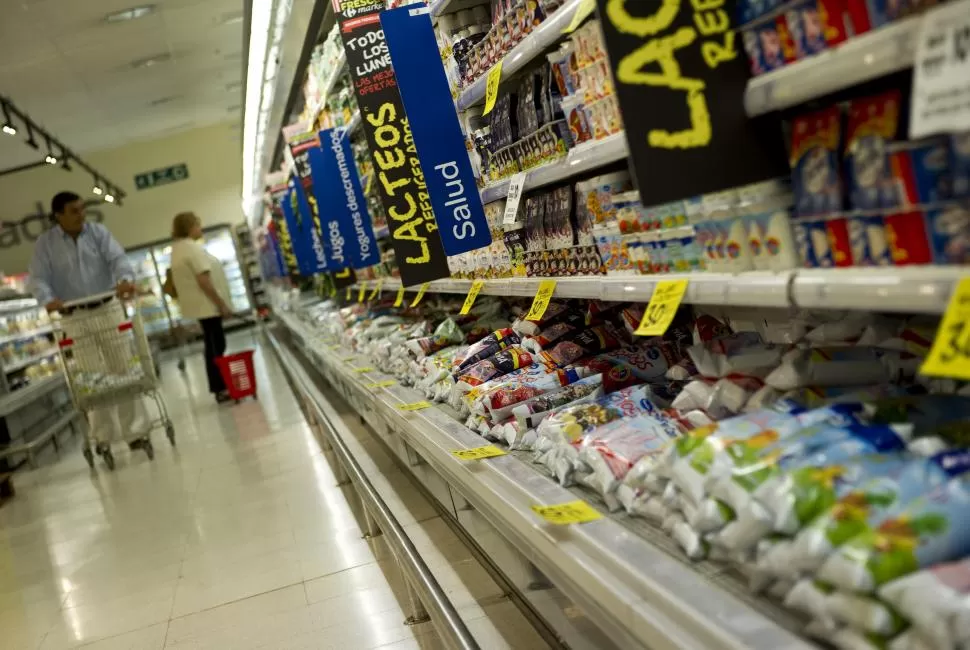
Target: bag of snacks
x,y
486,347
500,363
529,413
599,338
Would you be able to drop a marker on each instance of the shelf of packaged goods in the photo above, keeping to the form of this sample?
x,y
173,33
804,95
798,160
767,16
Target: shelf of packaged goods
x,y
13,402
638,594
862,58
14,305
904,289
441,7
580,159
544,36
354,122
19,336
29,361
329,83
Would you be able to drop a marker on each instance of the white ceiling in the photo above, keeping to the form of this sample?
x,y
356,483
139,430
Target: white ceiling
x,y
72,72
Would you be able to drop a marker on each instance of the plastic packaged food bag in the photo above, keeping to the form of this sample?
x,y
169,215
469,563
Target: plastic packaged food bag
x,y
500,400
840,366
572,422
593,340
500,363
737,353
529,413
447,333
936,602
486,347
530,328
929,530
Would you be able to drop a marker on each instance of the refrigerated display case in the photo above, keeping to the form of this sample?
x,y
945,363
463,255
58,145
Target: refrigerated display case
x,y
154,310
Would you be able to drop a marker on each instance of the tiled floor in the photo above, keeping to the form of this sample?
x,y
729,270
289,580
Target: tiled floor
x,y
236,538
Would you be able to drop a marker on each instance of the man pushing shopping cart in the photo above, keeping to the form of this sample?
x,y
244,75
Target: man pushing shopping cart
x,y
80,271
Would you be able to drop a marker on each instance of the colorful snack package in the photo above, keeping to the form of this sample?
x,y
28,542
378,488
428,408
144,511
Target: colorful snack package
x,y
840,366
816,177
553,312
447,333
499,401
500,363
928,530
529,413
571,423
486,347
599,338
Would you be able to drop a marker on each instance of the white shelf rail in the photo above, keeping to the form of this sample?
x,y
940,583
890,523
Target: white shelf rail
x,y
885,289
637,593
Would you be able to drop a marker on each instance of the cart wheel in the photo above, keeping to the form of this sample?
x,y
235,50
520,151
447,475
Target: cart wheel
x,y
170,432
109,459
149,450
89,456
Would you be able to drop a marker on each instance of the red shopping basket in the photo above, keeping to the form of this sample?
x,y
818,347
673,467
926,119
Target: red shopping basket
x,y
238,374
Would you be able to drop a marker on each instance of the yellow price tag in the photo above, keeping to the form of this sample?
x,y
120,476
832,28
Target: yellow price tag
x,y
361,292
377,289
335,346
470,298
491,87
574,512
950,354
541,301
382,384
348,359
477,453
417,298
585,8
347,297
370,179
363,370
662,307
414,406
333,291
400,297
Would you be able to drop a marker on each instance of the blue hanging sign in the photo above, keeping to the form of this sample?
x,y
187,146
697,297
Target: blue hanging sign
x,y
346,222
437,133
299,233
308,216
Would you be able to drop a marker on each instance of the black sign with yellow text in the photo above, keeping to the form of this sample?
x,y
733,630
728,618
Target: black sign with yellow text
x,y
276,194
680,72
399,178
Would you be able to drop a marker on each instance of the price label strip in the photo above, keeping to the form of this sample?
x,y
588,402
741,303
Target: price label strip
x,y
414,406
583,11
361,292
478,453
347,297
335,346
516,185
470,298
363,370
950,354
491,87
348,359
541,301
417,298
382,384
662,307
400,297
377,289
573,512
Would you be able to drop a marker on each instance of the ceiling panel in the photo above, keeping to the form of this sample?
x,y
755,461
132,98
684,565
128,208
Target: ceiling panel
x,y
72,71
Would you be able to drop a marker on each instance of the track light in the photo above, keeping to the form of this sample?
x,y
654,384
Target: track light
x,y
109,198
97,188
8,126
51,159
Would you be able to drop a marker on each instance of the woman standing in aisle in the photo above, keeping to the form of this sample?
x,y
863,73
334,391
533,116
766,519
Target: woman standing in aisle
x,y
203,292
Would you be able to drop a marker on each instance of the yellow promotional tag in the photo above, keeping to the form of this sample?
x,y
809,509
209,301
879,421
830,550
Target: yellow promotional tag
x,y
414,406
470,298
950,354
541,301
382,384
400,297
348,359
417,298
363,370
585,8
333,291
348,293
662,307
377,289
370,178
335,346
574,512
361,292
477,453
491,87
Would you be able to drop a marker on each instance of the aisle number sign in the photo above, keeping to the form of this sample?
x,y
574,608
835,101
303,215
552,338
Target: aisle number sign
x,y
377,289
470,298
417,298
541,301
491,87
950,354
662,307
399,300
516,185
478,453
941,81
573,512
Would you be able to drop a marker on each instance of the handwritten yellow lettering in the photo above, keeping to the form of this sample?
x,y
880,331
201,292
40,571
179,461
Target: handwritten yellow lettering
x,y
412,208
715,53
387,136
712,22
390,186
408,232
385,159
384,113
642,26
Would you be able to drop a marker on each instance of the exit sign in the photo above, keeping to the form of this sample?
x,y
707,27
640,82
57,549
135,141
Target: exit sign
x,y
164,176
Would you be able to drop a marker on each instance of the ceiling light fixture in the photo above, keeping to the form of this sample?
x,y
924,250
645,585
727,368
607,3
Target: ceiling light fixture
x,y
109,198
8,126
51,159
97,187
132,13
259,24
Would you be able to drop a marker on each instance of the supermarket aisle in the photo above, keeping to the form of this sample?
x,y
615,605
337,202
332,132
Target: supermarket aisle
x,y
237,538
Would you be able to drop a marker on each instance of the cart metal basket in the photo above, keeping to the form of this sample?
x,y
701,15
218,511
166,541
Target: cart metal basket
x,y
108,360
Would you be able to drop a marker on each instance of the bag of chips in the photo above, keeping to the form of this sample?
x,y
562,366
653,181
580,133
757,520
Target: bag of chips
x,y
529,413
593,340
484,348
500,363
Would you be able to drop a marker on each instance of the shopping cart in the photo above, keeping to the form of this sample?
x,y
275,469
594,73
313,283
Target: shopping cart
x,y
108,361
238,374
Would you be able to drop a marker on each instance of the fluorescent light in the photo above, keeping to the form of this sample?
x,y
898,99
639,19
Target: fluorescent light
x,y
8,127
109,198
9,130
258,34
97,190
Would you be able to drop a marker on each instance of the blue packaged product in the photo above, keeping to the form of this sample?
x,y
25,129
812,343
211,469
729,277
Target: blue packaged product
x,y
817,239
816,177
749,39
949,233
960,164
867,240
769,45
803,246
872,124
806,27
927,530
921,171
